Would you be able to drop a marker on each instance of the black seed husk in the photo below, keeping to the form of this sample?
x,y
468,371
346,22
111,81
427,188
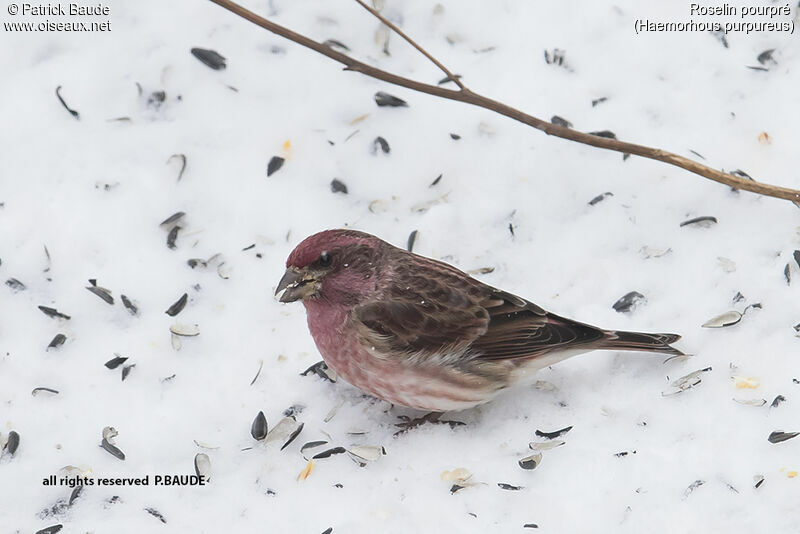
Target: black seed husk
x,y
554,434
182,157
387,100
156,98
327,530
102,293
779,436
58,340
560,121
777,400
329,453
796,255
12,444
172,219
627,302
52,312
294,435
52,529
412,237
455,488
129,305
115,362
71,111
382,143
699,155
274,165
209,58
76,492
334,43
600,198
530,525
155,513
259,427
49,390
172,236
705,218
766,56
455,137
604,133
318,369
178,306
511,229
528,463
293,410
112,449
257,373
787,273
436,181
337,186
127,370
15,284
599,100
509,487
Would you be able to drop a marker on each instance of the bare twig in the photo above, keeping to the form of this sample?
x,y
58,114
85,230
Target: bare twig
x,y
413,43
469,97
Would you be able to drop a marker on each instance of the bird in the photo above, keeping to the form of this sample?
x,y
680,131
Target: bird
x,y
420,333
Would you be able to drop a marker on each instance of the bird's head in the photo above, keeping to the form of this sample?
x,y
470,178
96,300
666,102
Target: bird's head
x,y
337,265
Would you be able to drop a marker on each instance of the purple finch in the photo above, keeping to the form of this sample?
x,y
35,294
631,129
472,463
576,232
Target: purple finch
x,y
420,333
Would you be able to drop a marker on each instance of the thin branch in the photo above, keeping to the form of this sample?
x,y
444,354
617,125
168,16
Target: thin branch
x,y
413,43
475,99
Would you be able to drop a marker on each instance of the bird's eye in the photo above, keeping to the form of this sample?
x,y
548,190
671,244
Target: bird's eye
x,y
324,259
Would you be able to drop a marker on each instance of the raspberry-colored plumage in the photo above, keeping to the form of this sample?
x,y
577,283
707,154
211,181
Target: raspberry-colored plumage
x,y
420,333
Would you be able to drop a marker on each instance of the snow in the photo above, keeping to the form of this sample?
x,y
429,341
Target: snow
x,y
677,91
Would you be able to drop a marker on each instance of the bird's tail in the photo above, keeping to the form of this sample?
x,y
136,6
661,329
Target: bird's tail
x,y
621,340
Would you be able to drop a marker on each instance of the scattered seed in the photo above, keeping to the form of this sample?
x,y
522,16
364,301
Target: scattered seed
x,y
608,134
411,239
328,453
699,155
511,229
129,305
362,454
293,435
546,445
387,100
726,319
628,302
337,186
382,143
306,470
156,98
172,236
116,361
102,292
693,486
685,382
285,431
554,434
178,306
112,449
185,330
209,58
36,391
71,111
455,137
75,494
481,270
126,370
777,400
779,435
456,488
202,466
766,56
751,402
52,312
531,462
311,445
787,273
274,165
328,530
172,219
599,101
556,57
322,370
57,341
52,529
601,197
560,121
509,487
448,79
259,427
155,513
182,158
758,479
260,365
12,444
15,284
333,43
530,525
705,220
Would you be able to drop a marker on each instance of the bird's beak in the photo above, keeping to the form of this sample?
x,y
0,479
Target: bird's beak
x,y
296,284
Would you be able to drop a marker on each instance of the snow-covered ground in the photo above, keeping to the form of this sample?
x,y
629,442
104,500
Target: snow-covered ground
x,y
92,192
